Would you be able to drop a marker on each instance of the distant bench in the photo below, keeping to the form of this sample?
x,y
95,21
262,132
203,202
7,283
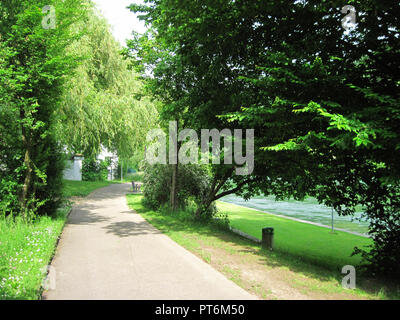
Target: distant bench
x,y
136,186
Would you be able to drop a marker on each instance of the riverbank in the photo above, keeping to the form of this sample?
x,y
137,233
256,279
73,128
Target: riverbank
x,y
315,244
269,275
307,210
305,221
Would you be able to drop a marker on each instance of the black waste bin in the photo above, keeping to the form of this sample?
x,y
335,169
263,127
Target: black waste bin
x,y
268,238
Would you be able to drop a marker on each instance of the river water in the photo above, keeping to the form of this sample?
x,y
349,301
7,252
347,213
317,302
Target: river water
x,y
309,210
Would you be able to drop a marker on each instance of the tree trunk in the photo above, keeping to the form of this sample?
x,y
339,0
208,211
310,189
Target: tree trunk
x,y
213,195
210,198
174,182
203,208
174,188
28,172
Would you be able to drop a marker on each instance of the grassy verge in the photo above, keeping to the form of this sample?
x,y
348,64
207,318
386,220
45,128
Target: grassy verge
x,y
312,243
269,275
129,177
26,249
137,176
83,188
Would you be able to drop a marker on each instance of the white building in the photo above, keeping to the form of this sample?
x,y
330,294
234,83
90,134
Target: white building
x,y
107,155
73,170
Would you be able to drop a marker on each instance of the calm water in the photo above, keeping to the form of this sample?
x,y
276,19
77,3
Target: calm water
x,y
308,210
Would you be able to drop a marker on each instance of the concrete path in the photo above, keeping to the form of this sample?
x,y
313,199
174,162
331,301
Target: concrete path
x,y
107,251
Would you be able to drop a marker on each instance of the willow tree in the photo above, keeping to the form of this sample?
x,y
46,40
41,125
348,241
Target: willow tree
x,y
103,104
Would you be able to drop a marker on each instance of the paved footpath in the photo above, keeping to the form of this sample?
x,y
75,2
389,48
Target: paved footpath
x,y
107,251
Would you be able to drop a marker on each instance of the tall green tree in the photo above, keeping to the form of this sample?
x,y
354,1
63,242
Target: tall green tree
x,y
104,103
323,102
341,101
33,68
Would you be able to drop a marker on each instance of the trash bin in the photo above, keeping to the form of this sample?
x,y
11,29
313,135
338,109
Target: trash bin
x,y
267,238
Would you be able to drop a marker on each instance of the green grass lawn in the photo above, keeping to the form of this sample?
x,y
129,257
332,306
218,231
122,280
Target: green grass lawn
x,y
306,257
83,188
312,243
27,248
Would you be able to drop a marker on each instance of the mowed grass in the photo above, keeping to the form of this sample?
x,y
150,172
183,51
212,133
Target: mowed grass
x,y
82,188
311,243
26,249
269,275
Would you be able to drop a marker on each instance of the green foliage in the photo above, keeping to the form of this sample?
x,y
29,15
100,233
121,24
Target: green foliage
x,y
130,165
33,68
50,186
193,182
382,258
26,250
103,104
137,176
9,189
340,110
95,170
324,103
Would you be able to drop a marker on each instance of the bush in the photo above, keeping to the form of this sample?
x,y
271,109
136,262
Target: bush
x,y
382,208
137,176
95,170
157,186
53,164
193,186
9,190
45,193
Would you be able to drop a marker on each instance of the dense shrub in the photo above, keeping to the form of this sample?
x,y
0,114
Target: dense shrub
x,y
95,170
46,189
9,190
34,66
382,258
137,176
193,186
11,162
51,188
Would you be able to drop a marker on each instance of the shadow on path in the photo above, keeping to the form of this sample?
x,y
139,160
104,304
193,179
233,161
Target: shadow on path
x,y
128,228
